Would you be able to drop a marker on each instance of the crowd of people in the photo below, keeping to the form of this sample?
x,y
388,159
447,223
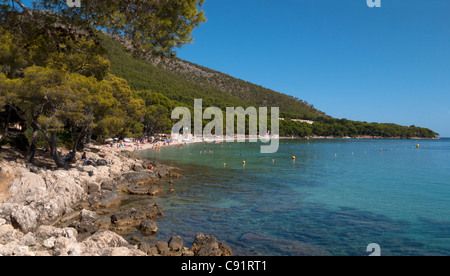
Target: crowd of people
x,y
136,145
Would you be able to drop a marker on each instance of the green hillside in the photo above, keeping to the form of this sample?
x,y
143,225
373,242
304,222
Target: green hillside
x,y
182,81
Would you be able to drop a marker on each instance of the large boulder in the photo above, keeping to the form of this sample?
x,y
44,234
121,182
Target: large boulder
x,y
46,232
150,190
89,216
15,250
121,252
101,162
173,248
139,177
43,197
148,227
104,199
207,246
109,185
104,239
176,244
137,167
27,188
21,217
107,243
149,249
8,234
85,226
123,221
163,248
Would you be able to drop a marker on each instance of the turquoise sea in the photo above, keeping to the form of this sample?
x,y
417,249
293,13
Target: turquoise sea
x,y
338,196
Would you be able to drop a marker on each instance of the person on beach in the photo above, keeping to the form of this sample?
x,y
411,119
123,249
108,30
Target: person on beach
x,y
84,157
70,157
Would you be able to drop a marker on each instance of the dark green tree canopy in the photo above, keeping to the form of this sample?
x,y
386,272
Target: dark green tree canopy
x,y
156,26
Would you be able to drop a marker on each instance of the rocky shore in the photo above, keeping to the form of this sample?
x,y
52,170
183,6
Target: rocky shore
x,y
78,212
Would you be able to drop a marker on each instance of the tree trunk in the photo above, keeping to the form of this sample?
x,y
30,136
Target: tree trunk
x,y
8,119
53,144
79,140
33,145
88,137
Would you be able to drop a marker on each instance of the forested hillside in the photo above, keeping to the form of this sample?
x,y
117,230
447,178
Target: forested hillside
x,y
182,82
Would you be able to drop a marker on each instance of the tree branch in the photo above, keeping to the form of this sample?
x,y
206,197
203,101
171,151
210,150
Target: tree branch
x,y
24,8
30,13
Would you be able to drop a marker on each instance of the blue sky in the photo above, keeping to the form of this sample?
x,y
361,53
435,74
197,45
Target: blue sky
x,y
388,64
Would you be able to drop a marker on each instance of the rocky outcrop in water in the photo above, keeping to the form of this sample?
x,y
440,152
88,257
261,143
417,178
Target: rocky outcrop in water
x,y
209,246
123,221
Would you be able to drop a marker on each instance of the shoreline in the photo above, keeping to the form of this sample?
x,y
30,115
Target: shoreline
x,y
131,147
359,138
79,211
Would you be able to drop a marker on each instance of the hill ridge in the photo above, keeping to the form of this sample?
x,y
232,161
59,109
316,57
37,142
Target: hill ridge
x,y
239,92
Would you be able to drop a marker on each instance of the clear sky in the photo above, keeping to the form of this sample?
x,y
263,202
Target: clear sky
x,y
388,64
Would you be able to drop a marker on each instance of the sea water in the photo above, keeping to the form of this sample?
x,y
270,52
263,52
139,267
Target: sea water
x,y
337,196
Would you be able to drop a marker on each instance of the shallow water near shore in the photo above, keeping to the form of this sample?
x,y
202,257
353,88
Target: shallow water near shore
x,y
338,196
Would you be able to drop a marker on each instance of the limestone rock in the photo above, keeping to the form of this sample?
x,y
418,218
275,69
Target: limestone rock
x,y
176,244
104,199
139,177
21,217
89,216
138,167
121,251
45,232
29,240
152,190
206,246
149,249
8,234
163,248
109,185
100,244
102,162
148,227
93,188
122,221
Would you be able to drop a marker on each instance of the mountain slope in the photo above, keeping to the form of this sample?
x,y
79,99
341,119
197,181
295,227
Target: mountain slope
x,y
183,82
